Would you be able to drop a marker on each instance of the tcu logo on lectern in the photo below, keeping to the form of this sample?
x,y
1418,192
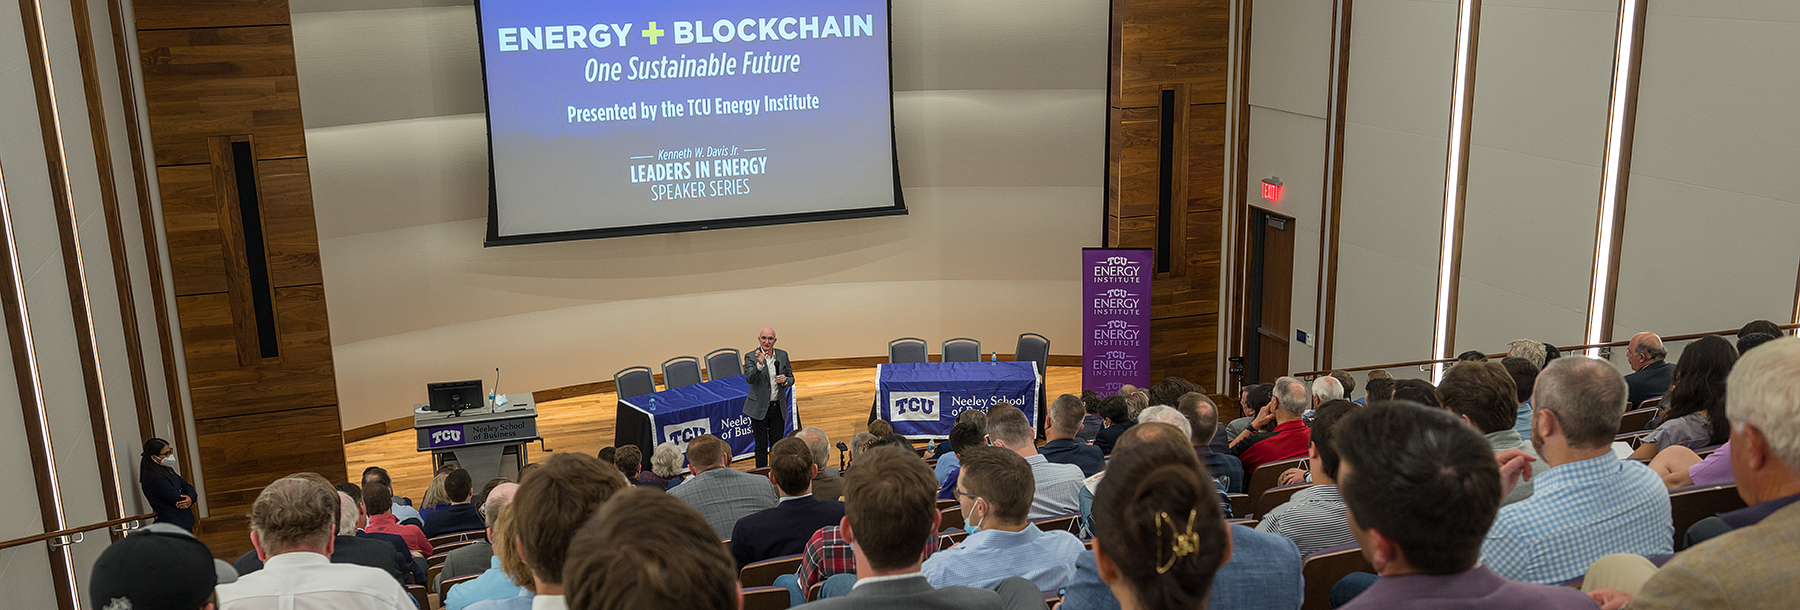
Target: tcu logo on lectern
x,y
683,432
913,406
446,436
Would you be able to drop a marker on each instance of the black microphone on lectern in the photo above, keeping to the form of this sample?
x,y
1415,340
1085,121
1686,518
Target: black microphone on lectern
x,y
841,449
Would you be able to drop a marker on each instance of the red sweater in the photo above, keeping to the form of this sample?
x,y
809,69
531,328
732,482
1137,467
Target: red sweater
x,y
1290,441
389,524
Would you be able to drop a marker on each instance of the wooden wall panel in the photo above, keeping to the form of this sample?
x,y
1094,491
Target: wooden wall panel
x,y
169,14
304,440
1206,157
1164,42
201,83
221,388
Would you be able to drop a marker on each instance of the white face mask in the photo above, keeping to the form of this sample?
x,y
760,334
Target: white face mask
x,y
168,461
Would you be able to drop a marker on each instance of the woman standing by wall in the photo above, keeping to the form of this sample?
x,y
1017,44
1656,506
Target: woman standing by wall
x,y
169,494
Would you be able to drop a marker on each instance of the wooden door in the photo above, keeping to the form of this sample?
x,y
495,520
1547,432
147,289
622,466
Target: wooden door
x,y
1271,239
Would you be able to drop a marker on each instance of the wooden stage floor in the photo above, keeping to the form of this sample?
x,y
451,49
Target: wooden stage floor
x,y
837,401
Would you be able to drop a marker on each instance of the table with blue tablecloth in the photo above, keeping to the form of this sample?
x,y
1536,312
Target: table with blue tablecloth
x,y
715,407
922,400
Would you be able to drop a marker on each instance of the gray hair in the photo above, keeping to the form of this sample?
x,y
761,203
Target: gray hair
x,y
1764,391
1167,415
819,443
1328,388
862,440
1291,395
347,514
665,461
1529,350
1588,397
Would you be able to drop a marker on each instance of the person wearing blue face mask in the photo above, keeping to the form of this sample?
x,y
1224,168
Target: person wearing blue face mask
x,y
171,496
995,490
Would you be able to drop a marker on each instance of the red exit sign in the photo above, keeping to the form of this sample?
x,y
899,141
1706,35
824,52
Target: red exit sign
x,y
1271,189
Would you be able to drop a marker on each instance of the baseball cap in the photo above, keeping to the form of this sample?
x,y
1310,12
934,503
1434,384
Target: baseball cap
x,y
158,567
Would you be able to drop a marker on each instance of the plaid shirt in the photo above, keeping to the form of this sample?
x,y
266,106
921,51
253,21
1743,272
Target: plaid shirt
x,y
827,555
1579,512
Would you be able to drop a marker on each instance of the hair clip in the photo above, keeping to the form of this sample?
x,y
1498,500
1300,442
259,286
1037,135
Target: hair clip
x,y
1184,544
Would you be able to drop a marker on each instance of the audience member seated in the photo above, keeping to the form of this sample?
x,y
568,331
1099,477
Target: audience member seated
x,y
665,464
479,557
1751,562
1158,431
493,582
1528,350
608,454
995,492
435,498
827,555
1287,439
1746,342
1422,489
1057,485
1151,555
160,566
1115,419
1063,421
784,529
1136,401
1314,517
828,484
1473,355
1483,394
966,433
1251,401
646,550
1262,572
1171,389
293,526
413,561
1524,375
1203,425
719,492
461,515
1090,423
347,548
1589,503
947,462
881,428
1326,389
1345,379
1680,467
403,510
630,461
1695,413
512,564
379,501
1378,388
550,504
1416,390
1650,373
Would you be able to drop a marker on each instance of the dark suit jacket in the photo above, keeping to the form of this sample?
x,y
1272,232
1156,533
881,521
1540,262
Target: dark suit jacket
x,y
828,486
452,519
1649,382
415,565
782,530
756,405
1076,453
1109,435
348,549
1223,465
916,593
164,489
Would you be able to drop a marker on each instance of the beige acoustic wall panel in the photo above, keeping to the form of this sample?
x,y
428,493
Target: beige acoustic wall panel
x,y
1714,201
1542,80
1397,121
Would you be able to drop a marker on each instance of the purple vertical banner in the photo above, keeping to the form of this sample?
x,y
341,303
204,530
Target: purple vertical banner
x,y
1115,318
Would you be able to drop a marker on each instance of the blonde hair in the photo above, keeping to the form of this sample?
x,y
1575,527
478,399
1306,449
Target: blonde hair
x,y
1529,350
435,494
507,549
1136,402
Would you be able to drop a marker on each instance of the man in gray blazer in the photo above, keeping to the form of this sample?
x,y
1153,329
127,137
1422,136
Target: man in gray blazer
x,y
770,375
890,507
719,492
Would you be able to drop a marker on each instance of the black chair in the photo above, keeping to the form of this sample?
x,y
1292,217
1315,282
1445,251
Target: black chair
x,y
633,382
906,350
724,362
962,349
680,372
1035,348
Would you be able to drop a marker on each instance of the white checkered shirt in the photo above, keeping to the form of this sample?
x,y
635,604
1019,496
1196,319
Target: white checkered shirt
x,y
1579,512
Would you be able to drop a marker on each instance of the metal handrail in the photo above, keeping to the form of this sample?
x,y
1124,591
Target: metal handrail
x,y
74,532
1571,348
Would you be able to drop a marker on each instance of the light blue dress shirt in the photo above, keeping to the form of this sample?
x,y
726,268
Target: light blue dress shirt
x,y
1523,425
403,512
1579,512
492,584
989,556
946,465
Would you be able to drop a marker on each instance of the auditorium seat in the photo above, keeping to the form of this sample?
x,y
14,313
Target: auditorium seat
x,y
907,350
1325,568
724,362
1634,421
1269,475
468,536
761,471
419,595
943,504
1632,438
766,598
1249,523
763,573
634,381
1276,496
1066,523
812,592
444,589
1688,505
962,349
951,538
680,372
953,518
1651,403
1241,504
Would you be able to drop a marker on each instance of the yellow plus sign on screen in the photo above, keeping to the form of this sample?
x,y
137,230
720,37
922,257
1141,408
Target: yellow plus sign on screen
x,y
652,32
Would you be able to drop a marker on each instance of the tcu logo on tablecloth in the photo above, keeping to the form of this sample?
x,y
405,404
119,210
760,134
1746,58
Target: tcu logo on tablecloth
x,y
913,406
683,432
447,436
